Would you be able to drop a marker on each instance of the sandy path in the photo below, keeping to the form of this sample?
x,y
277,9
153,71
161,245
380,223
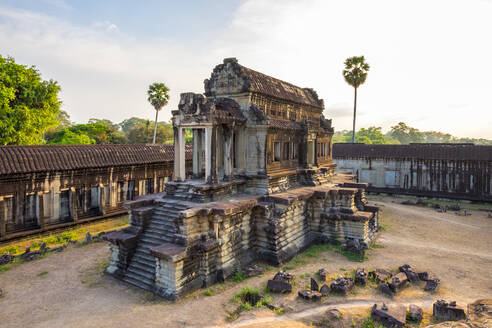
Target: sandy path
x,y
74,294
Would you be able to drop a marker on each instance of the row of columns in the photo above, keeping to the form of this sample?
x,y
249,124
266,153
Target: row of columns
x,y
205,144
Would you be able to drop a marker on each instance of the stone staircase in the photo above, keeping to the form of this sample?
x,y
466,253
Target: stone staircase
x,y
160,229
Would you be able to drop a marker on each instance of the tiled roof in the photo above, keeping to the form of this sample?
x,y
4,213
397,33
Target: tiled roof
x,y
463,152
23,159
264,84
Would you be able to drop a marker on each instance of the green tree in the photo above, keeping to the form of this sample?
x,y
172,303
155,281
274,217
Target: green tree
x,y
97,133
127,124
355,74
406,134
28,104
141,133
158,96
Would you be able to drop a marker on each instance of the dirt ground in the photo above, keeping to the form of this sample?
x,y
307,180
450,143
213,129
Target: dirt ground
x,y
68,289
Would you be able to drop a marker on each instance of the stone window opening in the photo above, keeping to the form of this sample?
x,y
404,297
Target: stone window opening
x,y
276,151
7,213
107,198
30,210
121,191
64,205
130,192
286,151
94,197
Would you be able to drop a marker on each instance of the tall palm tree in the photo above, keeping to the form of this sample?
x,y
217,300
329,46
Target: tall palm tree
x,y
158,96
355,74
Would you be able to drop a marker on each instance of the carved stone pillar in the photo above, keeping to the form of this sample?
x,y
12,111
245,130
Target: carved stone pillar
x,y
179,155
213,178
208,154
196,153
228,165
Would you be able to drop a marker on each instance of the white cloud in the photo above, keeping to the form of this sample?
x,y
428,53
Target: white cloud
x,y
424,56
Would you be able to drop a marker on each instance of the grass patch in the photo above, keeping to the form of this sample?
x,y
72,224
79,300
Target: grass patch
x,y
58,238
5,267
238,276
209,292
369,323
43,273
248,298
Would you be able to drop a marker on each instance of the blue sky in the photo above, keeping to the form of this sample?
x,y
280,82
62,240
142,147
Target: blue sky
x,y
426,56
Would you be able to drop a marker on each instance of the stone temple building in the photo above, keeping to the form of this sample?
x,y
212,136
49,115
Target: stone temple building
x,y
263,188
54,186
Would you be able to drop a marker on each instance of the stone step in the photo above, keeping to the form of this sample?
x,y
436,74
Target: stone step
x,y
142,272
142,264
144,258
159,222
136,281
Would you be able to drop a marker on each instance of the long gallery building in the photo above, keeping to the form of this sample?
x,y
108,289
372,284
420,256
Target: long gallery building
x,y
49,187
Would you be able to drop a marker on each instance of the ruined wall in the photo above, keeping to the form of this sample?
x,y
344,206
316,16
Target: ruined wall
x,y
451,171
212,240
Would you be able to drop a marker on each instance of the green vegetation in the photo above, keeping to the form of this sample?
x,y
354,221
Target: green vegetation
x,y
158,96
355,74
5,267
43,273
209,292
238,276
247,299
369,323
401,134
28,104
57,238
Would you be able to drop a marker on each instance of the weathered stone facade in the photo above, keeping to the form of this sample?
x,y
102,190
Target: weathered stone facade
x,y
460,171
49,187
263,188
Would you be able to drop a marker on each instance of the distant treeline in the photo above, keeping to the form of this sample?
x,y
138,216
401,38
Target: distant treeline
x,y
402,134
102,131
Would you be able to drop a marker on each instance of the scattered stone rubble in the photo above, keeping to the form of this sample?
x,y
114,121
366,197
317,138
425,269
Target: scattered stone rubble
x,y
281,282
322,274
390,316
342,285
310,295
415,313
314,285
445,311
380,275
360,277
30,255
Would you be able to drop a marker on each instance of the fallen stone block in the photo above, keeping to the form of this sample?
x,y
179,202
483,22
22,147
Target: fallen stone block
x,y
386,290
43,249
6,258
432,285
445,311
415,313
88,238
310,295
398,282
324,290
322,274
253,270
360,277
412,276
380,275
279,286
342,285
284,276
390,316
314,285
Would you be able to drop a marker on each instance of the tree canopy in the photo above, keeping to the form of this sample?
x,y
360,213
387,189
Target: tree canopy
x,y
28,104
355,72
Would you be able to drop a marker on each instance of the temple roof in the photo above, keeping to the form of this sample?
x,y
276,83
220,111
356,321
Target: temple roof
x,y
231,77
434,151
24,159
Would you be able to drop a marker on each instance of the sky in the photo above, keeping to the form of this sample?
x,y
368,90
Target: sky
x,y
426,57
